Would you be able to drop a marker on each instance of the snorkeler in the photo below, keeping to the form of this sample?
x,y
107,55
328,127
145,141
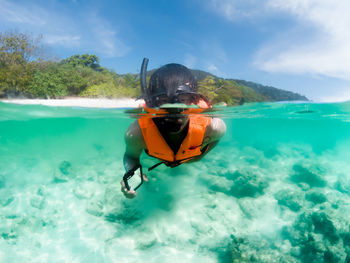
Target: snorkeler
x,y
171,132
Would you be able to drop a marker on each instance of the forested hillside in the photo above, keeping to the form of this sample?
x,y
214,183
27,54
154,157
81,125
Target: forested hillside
x,y
26,71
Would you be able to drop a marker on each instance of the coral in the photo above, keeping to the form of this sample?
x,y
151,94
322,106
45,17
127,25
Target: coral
x,y
309,176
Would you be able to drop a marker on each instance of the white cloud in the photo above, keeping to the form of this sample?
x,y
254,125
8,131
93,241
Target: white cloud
x,y
237,9
20,14
60,27
56,27
214,69
106,38
63,40
326,51
339,95
318,43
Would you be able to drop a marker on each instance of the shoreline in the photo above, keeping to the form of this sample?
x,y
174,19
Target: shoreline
x,y
110,103
79,102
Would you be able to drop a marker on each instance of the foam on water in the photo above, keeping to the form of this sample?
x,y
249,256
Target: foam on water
x,y
275,189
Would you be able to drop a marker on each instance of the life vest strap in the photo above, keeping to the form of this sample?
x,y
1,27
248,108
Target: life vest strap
x,y
154,166
171,164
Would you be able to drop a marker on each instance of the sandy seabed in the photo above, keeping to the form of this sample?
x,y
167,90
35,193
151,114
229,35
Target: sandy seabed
x,y
275,189
80,102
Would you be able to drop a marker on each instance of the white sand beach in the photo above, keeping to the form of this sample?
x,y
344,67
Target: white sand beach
x,y
80,102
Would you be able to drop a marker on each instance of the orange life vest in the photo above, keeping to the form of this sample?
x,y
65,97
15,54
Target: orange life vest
x,y
190,146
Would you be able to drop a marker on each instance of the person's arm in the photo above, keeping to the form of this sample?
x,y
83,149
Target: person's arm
x,y
134,145
213,133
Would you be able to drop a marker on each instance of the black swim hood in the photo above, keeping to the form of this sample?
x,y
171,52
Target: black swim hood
x,y
171,79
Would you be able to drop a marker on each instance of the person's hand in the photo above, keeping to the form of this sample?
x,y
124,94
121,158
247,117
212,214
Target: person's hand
x,y
127,193
145,178
130,193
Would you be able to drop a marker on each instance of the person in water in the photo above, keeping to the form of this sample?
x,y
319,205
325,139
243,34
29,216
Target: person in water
x,y
175,135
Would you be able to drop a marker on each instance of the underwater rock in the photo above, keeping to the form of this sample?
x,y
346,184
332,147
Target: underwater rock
x,y
82,192
325,227
6,198
343,184
317,222
5,201
59,178
271,152
305,175
220,184
95,208
125,216
291,199
37,201
246,184
146,241
346,239
8,235
312,250
13,216
33,224
65,167
316,197
260,250
303,186
315,238
41,191
222,248
65,173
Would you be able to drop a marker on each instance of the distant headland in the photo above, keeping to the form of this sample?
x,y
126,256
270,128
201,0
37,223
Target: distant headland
x,y
25,72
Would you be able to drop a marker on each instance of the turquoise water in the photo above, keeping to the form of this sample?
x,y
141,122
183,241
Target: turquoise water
x,y
275,189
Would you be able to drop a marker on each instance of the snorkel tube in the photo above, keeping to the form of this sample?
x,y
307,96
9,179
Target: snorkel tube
x,y
144,89
143,80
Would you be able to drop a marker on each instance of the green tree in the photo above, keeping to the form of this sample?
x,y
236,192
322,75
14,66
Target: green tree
x,y
221,90
129,86
229,92
75,79
208,88
97,77
47,82
19,48
17,54
102,90
85,60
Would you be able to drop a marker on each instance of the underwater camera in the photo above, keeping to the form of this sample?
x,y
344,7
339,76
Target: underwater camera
x,y
131,181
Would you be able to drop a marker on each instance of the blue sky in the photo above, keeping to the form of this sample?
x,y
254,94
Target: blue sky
x,y
298,45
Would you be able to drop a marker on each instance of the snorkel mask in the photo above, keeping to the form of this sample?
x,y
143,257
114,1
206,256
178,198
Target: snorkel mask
x,y
182,95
